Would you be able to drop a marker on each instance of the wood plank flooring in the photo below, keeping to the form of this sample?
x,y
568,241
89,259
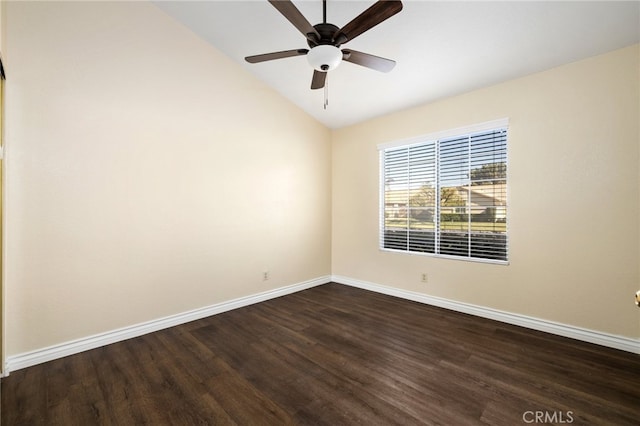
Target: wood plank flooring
x,y
332,355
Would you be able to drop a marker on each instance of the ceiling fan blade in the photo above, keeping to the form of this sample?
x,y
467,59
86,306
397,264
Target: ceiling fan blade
x,y
370,61
275,55
293,15
380,11
319,77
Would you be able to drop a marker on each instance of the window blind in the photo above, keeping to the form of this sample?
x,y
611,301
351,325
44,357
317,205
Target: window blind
x,y
447,196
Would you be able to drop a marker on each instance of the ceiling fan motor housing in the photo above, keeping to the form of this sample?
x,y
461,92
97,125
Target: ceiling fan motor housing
x,y
327,33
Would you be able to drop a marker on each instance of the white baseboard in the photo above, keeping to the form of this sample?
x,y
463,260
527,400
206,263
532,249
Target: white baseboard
x,y
50,353
39,356
591,336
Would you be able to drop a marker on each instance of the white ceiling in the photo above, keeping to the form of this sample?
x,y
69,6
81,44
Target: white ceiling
x,y
442,48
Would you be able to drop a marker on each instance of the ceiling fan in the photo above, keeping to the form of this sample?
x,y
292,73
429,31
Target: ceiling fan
x,y
324,39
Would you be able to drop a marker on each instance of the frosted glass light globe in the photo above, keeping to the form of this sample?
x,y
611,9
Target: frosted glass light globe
x,y
324,57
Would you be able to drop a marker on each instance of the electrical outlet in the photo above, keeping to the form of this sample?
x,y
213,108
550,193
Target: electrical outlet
x,y
423,277
265,276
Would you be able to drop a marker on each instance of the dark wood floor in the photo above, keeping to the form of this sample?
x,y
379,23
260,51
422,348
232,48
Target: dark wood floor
x,y
332,355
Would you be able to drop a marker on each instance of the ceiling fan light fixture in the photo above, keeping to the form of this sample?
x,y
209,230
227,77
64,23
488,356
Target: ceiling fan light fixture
x,y
324,57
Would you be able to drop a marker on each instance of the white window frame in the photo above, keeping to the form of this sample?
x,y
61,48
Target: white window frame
x,y
430,138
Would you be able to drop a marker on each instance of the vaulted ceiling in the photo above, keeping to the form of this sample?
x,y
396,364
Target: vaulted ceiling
x,y
442,48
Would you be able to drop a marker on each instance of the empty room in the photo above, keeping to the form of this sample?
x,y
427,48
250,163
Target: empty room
x,y
313,212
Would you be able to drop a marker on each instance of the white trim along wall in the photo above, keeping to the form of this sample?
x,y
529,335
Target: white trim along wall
x,y
28,359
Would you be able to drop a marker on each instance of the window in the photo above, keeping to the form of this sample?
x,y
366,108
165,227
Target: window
x,y
446,194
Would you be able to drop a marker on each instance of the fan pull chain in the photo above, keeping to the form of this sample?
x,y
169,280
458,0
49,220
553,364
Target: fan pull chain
x,y
326,91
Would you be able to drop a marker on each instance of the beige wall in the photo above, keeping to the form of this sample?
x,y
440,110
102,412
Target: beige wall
x,y
147,174
2,334
573,197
